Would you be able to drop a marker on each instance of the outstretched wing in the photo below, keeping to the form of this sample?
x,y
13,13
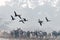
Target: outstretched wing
x,y
12,17
21,21
41,24
15,13
19,16
47,19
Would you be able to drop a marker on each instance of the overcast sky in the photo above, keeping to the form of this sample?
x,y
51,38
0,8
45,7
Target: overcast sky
x,y
32,10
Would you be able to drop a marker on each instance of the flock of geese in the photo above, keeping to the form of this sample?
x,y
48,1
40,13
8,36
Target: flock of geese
x,y
40,21
24,19
16,15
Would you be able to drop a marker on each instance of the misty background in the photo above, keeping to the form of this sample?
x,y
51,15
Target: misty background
x,y
32,10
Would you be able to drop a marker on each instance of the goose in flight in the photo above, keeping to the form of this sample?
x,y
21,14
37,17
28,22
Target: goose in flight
x,y
40,22
47,19
12,17
25,19
17,15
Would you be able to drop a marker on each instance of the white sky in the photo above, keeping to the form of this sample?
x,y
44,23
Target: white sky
x,y
2,2
36,10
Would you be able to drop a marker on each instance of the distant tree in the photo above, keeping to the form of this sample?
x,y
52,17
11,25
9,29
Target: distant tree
x,y
59,33
28,33
44,34
36,33
16,32
41,34
20,32
54,34
12,33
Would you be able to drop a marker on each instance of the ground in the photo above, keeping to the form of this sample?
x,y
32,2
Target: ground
x,y
30,39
